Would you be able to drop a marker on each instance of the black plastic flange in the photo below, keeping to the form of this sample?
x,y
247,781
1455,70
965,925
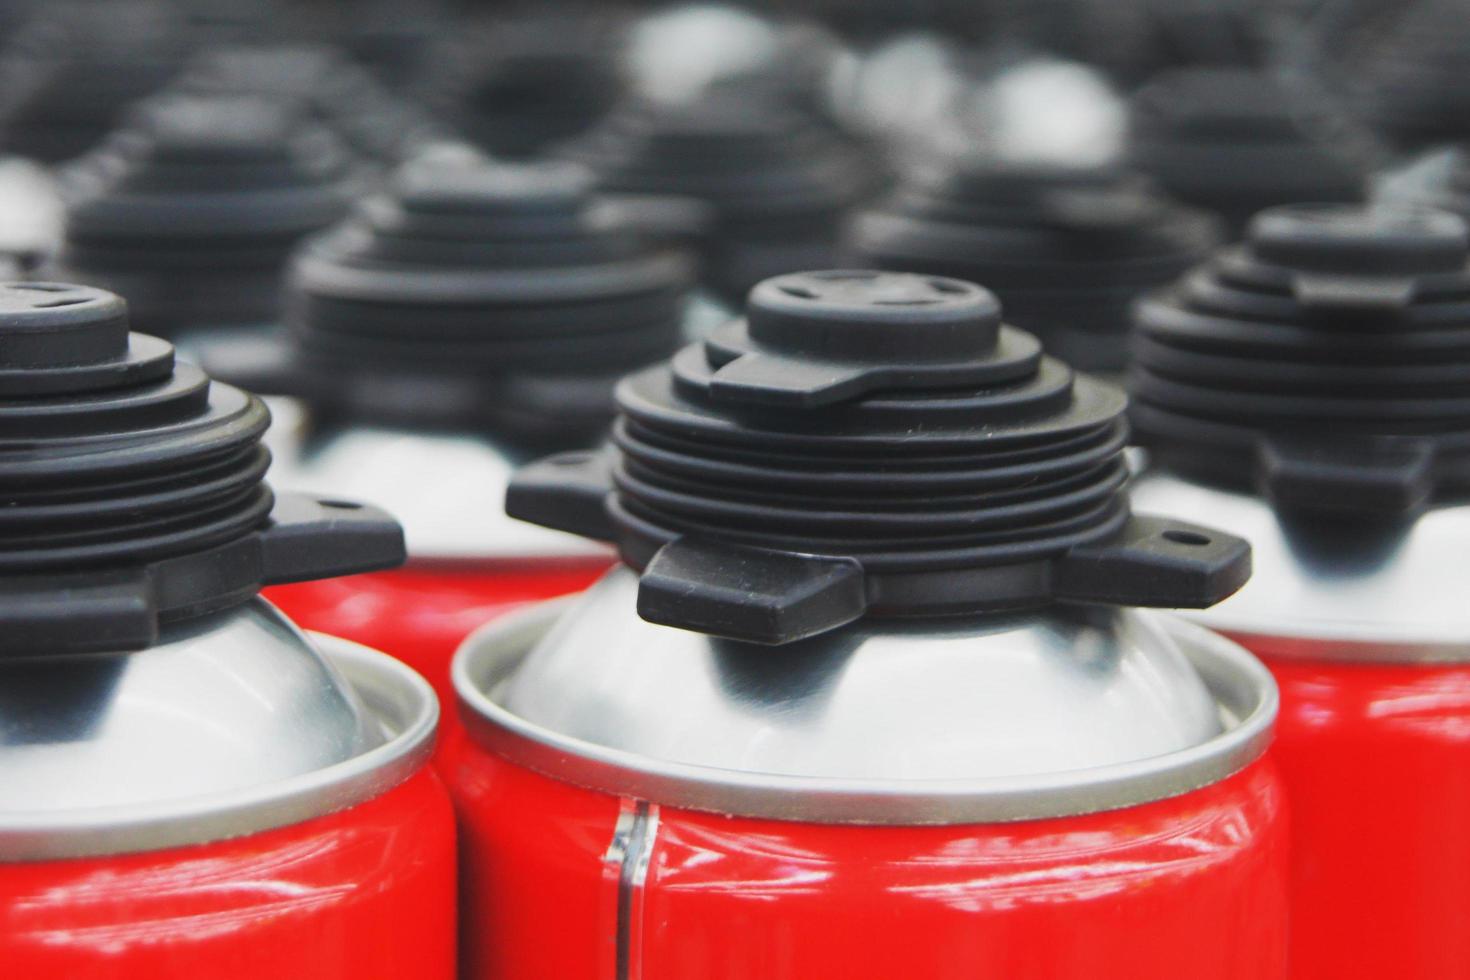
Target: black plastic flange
x,y
131,487
1324,363
120,609
769,596
870,444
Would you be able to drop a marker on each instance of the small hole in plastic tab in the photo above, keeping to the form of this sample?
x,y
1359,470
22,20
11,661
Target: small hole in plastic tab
x,y
1190,538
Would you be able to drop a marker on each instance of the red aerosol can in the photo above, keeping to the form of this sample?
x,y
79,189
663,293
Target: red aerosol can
x,y
192,787
468,317
867,698
1307,389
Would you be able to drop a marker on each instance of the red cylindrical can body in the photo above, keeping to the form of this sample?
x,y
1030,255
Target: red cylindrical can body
x,y
210,810
641,863
1376,759
422,612
367,892
1364,632
1190,886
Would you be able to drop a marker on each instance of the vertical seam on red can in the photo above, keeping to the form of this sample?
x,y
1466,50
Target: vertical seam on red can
x,y
611,914
632,847
641,863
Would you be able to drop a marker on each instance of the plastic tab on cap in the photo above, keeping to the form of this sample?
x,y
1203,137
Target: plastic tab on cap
x,y
822,337
749,593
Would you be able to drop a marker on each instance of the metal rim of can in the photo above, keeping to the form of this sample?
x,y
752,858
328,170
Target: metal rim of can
x,y
1242,686
1342,648
399,698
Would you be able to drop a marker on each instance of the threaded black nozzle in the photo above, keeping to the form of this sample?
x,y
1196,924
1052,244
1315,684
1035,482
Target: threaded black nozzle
x,y
1325,361
132,488
870,443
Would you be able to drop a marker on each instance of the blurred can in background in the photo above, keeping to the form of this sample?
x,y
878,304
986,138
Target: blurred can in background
x,y
1305,390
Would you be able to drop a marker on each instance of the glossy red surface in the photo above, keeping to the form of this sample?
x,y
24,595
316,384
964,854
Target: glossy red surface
x,y
362,894
421,613
1376,760
1189,887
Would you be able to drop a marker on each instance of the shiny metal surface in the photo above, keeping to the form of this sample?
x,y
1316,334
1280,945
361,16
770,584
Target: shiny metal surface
x,y
1383,595
1065,712
31,206
233,723
447,490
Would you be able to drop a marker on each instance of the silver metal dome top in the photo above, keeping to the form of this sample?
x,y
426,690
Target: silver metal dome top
x,y
232,723
446,489
999,718
1384,593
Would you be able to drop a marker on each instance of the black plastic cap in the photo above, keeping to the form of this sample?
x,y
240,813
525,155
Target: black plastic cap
x,y
870,444
474,295
193,206
1408,72
825,337
131,486
1325,362
776,180
1234,141
1067,249
73,66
